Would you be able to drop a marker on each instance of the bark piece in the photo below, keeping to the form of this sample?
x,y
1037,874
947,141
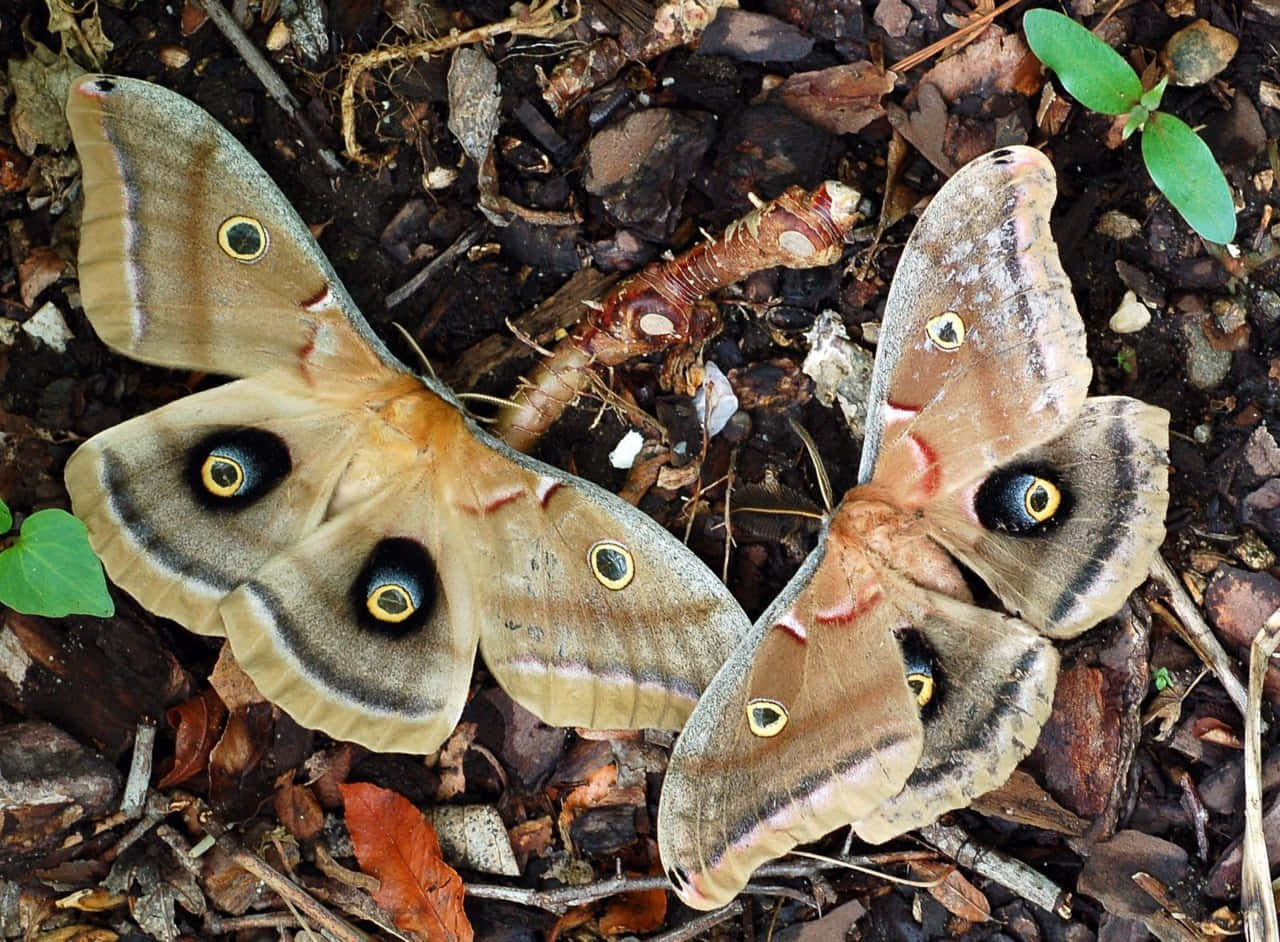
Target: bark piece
x,y
1238,603
48,784
640,167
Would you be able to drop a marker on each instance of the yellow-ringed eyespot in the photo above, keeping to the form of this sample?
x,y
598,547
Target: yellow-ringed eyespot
x,y
222,475
946,331
243,238
766,718
1041,499
611,564
1023,500
390,602
921,685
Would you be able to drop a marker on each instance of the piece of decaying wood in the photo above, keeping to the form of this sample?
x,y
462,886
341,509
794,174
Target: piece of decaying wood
x,y
1257,899
662,305
1009,872
1193,629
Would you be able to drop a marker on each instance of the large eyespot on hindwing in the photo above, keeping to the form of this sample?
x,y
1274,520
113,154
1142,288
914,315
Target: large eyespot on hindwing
x,y
923,672
1023,501
243,238
766,718
396,588
612,564
234,467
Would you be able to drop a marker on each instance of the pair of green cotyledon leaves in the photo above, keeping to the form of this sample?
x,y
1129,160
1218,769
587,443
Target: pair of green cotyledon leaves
x,y
1180,163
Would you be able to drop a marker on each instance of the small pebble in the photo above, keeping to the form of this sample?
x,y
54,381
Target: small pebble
x,y
1131,316
48,327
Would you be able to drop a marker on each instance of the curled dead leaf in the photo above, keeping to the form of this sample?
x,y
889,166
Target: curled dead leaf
x,y
396,843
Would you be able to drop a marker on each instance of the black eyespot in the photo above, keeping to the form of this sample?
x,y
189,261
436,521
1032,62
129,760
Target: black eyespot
x,y
234,467
243,238
1023,501
679,877
104,84
611,564
396,589
923,672
766,718
1001,156
946,331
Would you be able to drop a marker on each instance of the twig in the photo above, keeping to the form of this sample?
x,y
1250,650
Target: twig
x,y
562,899
1009,872
700,924
288,891
153,813
266,74
1257,900
460,245
728,514
1191,626
135,788
958,37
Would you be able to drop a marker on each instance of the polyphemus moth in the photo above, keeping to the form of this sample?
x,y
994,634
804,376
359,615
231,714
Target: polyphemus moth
x,y
874,691
351,532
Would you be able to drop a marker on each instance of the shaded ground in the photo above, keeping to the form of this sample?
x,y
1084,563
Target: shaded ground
x,y
1209,356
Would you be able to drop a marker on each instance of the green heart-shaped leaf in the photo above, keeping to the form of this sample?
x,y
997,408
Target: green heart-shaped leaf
x,y
51,570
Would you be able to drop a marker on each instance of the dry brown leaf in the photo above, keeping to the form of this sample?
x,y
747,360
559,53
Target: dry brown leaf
x,y
641,911
842,99
453,781
397,844
38,271
198,723
954,891
298,810
232,683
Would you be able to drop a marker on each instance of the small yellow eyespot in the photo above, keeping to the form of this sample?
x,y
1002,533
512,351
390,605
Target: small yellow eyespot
x,y
243,238
946,330
765,717
222,475
921,685
1042,499
390,602
611,564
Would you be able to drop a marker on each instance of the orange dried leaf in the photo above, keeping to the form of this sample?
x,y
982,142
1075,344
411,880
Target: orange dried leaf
x,y
397,844
641,911
198,723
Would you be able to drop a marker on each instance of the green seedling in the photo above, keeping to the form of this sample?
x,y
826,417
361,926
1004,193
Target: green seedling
x,y
50,568
1180,163
1161,678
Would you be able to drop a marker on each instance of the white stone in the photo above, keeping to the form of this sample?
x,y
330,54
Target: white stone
x,y
624,453
48,327
1131,316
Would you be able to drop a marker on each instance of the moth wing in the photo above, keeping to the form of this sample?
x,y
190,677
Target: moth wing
x,y
825,663
160,236
982,350
168,542
590,613
1110,471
